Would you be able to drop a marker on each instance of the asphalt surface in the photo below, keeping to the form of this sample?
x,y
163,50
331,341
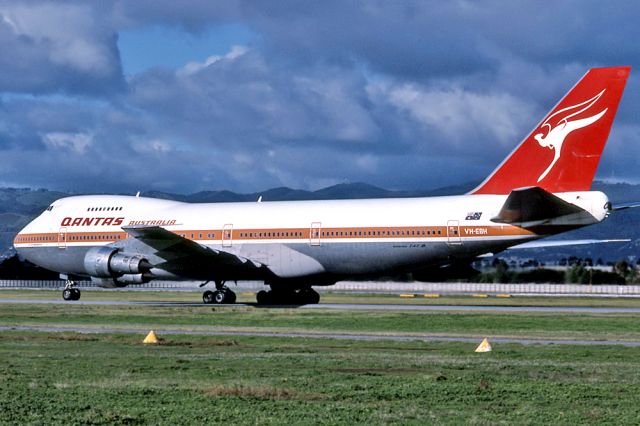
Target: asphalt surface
x,y
350,306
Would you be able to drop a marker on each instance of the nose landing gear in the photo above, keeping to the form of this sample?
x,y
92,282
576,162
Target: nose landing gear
x,y
70,291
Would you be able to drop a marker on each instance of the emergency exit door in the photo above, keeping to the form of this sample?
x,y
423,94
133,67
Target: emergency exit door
x,y
227,235
314,234
62,237
453,232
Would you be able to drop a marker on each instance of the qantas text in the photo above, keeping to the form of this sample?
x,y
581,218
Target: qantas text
x,y
92,221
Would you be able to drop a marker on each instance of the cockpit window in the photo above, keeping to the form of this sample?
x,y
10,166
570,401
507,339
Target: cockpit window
x,y
50,208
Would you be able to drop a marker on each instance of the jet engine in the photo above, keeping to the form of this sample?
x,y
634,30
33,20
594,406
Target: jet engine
x,y
109,262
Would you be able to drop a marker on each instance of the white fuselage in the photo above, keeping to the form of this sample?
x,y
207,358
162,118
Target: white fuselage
x,y
292,239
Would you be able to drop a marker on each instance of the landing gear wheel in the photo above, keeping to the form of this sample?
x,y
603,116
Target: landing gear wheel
x,y
263,297
70,291
67,294
274,297
207,297
304,296
310,296
224,296
75,294
219,297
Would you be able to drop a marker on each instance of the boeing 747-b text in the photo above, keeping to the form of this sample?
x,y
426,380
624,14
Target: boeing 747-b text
x,y
541,189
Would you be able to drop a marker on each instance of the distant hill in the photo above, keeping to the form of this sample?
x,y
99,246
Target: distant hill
x,y
17,207
20,205
341,191
618,192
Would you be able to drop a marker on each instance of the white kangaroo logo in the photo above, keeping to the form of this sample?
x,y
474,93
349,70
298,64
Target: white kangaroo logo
x,y
558,132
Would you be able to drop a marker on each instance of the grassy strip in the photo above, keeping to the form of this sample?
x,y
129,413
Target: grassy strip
x,y
473,324
66,378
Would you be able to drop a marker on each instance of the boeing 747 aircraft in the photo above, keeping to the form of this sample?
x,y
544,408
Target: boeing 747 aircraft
x,y
542,188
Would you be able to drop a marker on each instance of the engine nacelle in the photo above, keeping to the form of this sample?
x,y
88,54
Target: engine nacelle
x,y
121,281
105,262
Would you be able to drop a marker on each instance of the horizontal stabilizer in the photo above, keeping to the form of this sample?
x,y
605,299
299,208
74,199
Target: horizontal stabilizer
x,y
533,206
624,206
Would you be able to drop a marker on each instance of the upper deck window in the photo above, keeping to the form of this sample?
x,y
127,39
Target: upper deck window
x,y
100,209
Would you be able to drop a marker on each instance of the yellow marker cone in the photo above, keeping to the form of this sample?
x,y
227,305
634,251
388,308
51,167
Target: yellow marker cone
x,y
151,338
485,346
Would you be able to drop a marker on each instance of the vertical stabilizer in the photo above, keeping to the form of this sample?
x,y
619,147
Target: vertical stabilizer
x,y
561,154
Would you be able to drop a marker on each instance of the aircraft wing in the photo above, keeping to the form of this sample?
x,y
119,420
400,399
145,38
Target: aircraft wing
x,y
184,257
562,243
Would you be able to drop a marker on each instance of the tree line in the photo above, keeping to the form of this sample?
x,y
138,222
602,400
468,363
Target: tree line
x,y
577,272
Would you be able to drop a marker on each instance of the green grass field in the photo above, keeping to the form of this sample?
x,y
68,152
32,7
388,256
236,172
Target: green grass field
x,y
112,378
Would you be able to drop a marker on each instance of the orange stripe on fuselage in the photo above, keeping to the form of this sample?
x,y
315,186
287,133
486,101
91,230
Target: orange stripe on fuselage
x,y
256,234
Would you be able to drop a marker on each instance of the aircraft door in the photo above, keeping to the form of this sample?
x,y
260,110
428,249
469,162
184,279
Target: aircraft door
x,y
314,234
453,232
62,237
227,235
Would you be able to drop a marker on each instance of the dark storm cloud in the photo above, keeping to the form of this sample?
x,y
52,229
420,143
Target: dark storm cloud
x,y
408,38
242,98
57,47
419,38
397,94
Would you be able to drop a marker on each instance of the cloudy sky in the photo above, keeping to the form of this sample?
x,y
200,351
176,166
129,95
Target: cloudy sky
x,y
118,96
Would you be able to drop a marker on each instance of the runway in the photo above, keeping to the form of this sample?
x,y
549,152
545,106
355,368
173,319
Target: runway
x,y
349,306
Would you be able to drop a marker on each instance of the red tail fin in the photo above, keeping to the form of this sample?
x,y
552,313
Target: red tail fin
x,y
562,153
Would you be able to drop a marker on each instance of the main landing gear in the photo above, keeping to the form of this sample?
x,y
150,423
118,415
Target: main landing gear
x,y
70,291
222,295
278,296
